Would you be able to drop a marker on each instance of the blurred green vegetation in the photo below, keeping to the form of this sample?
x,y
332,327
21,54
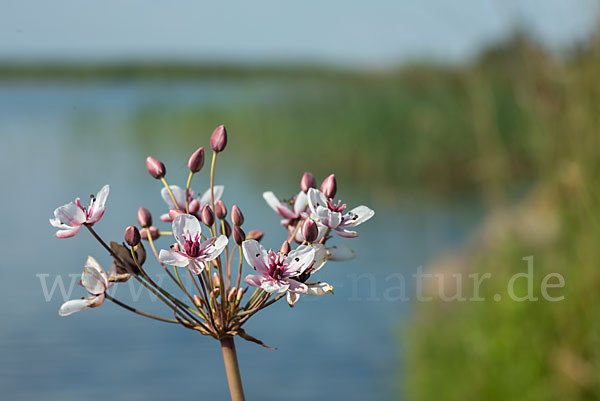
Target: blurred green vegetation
x,y
540,112
423,126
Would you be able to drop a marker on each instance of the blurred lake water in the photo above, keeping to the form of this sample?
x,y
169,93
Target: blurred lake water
x,y
67,139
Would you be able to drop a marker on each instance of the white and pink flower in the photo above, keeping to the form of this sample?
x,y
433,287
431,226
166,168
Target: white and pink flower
x,y
70,217
329,214
291,215
314,288
94,280
277,271
179,194
191,251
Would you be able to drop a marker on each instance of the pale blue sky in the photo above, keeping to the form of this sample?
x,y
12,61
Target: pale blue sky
x,y
369,32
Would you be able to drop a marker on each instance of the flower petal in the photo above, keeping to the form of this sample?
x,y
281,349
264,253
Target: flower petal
x,y
102,195
185,224
256,255
357,216
346,233
296,286
205,198
173,258
74,305
98,205
316,199
314,288
178,193
93,277
299,260
71,232
320,257
272,286
277,206
69,214
301,203
196,266
253,280
292,298
215,248
340,253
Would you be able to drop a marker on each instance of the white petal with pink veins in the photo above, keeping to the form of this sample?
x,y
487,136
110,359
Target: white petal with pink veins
x,y
173,258
216,248
196,266
296,286
185,224
256,255
299,260
71,232
253,280
272,286
98,205
68,215
93,277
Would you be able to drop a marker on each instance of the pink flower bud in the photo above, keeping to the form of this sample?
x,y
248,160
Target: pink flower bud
x,y
216,282
231,295
207,217
174,213
220,209
240,294
310,231
238,235
237,217
196,161
285,248
144,217
155,167
227,231
197,301
255,235
132,236
194,206
218,139
308,181
329,186
153,232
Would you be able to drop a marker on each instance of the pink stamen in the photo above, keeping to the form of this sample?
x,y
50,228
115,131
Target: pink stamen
x,y
339,207
276,267
192,246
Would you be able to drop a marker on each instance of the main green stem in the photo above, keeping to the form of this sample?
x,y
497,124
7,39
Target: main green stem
x,y
232,368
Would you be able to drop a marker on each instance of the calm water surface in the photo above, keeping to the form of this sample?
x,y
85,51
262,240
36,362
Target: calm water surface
x,y
65,140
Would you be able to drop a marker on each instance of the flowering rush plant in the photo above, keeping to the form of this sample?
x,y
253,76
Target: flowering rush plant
x,y
217,306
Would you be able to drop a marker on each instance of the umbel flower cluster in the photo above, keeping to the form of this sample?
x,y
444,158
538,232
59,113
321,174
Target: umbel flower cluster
x,y
203,243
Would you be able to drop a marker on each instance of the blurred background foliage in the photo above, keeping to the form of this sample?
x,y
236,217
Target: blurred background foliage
x,y
543,123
